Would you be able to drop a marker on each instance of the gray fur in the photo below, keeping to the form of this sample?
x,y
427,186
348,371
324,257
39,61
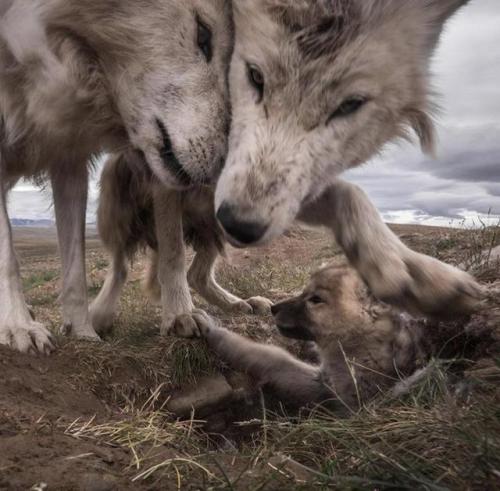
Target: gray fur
x,y
286,151
80,78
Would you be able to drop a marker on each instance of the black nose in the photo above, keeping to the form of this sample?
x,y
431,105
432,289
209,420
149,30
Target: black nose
x,y
276,309
244,232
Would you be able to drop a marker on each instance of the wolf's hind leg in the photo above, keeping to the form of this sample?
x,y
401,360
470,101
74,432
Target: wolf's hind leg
x,y
17,328
201,277
393,272
104,306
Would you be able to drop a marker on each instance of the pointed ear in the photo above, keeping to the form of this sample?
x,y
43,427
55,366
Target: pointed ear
x,y
437,13
423,125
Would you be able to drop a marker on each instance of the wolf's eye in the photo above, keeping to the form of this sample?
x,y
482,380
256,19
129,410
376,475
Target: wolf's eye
x,y
204,40
256,79
348,107
315,299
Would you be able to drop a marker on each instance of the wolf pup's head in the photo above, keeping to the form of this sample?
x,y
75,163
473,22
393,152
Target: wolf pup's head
x,y
318,87
329,305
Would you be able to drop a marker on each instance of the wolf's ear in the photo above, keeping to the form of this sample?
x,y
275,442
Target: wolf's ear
x,y
423,125
436,14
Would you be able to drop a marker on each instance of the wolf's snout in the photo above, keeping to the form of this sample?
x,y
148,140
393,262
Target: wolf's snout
x,y
169,157
243,232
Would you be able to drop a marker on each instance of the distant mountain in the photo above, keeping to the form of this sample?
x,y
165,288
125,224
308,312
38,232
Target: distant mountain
x,y
24,222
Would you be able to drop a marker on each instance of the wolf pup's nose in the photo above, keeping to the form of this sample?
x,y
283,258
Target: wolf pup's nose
x,y
245,233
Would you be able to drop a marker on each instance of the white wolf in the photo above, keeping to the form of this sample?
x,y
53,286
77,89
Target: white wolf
x,y
318,87
79,78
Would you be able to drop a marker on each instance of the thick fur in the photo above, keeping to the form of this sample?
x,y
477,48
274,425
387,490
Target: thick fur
x,y
79,78
289,144
364,347
136,212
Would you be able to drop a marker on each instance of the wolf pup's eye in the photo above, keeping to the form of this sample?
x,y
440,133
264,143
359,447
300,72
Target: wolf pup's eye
x,y
256,79
315,299
348,107
204,40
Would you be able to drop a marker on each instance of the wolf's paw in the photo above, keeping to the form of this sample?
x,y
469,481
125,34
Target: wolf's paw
x,y
189,325
431,287
260,305
254,305
29,337
239,307
85,332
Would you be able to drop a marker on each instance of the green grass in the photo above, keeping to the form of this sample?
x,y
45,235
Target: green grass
x,y
39,278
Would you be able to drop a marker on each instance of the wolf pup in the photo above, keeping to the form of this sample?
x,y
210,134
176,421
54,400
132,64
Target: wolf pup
x,y
80,78
364,347
318,87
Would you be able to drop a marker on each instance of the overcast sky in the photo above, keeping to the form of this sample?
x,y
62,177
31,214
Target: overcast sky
x,y
463,181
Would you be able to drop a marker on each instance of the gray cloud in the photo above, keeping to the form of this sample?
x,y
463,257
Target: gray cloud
x,y
464,179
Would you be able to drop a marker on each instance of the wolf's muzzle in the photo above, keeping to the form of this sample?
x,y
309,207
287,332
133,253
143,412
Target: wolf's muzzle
x,y
170,159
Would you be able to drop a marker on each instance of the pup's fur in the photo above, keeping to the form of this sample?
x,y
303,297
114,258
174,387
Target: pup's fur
x,y
79,78
289,144
363,346
136,212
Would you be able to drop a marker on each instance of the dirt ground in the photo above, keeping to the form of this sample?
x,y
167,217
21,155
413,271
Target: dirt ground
x,y
93,417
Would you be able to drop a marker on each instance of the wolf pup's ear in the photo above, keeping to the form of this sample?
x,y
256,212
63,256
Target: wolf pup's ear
x,y
437,13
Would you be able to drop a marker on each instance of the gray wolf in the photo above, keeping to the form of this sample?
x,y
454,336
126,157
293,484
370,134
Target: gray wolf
x,y
363,346
318,87
137,212
81,78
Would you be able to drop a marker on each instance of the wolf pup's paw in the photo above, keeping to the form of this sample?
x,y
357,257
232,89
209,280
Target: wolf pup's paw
x,y
431,287
30,337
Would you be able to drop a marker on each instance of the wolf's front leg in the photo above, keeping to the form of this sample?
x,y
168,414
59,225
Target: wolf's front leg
x,y
69,187
175,295
292,379
17,328
393,272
